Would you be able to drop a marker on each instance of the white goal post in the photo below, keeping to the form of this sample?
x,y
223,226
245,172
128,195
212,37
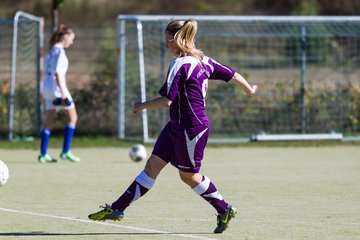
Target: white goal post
x,y
301,64
33,56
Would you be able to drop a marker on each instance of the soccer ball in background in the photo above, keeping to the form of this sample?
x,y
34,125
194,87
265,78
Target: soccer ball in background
x,y
137,153
4,173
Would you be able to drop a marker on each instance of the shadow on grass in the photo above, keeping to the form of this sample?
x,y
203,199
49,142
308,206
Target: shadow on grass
x,y
40,233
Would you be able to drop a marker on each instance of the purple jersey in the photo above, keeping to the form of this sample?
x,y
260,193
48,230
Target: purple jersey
x,y
186,85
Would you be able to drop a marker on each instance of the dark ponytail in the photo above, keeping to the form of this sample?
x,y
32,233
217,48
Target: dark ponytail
x,y
58,35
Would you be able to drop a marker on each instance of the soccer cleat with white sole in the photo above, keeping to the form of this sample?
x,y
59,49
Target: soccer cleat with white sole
x,y
69,156
46,158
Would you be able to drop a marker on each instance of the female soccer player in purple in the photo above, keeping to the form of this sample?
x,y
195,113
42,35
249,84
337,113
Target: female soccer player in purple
x,y
57,95
183,139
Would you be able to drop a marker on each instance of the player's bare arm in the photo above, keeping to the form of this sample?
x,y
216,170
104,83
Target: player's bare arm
x,y
247,88
61,83
151,104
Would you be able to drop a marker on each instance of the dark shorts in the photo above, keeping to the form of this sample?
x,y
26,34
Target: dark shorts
x,y
184,149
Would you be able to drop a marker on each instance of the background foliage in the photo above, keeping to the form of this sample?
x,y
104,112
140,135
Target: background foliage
x,y
105,11
92,73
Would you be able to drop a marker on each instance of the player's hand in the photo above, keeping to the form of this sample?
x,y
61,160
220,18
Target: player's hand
x,y
137,107
253,90
62,102
66,102
57,101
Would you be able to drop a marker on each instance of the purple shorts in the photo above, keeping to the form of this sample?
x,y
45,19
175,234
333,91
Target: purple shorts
x,y
184,149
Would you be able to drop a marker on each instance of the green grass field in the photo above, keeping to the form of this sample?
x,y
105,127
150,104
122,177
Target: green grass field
x,y
281,193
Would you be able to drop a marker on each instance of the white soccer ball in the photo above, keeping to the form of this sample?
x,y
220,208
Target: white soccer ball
x,y
137,153
4,173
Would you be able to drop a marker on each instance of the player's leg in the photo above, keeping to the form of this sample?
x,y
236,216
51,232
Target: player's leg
x,y
69,130
204,188
189,163
161,155
142,183
191,147
50,117
138,188
207,190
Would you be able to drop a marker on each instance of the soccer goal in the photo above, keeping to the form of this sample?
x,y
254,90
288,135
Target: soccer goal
x,y
26,67
307,68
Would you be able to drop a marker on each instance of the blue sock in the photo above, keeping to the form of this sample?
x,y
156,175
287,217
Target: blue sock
x,y
68,135
45,137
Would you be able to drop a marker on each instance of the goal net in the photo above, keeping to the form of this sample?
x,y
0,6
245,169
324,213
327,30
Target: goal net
x,y
20,89
307,69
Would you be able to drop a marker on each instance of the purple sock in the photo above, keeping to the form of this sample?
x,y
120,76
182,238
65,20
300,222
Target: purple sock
x,y
207,190
142,184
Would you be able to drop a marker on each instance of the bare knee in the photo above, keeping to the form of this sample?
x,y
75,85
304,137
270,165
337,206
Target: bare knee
x,y
149,168
191,179
48,125
73,117
50,117
153,166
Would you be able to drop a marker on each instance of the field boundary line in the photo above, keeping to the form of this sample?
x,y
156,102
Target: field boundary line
x,y
106,224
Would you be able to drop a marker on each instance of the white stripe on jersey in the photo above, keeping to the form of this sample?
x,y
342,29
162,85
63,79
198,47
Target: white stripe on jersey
x,y
206,61
176,65
192,110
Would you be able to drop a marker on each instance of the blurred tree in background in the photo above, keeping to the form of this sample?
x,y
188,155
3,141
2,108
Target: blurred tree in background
x,y
92,74
105,11
56,4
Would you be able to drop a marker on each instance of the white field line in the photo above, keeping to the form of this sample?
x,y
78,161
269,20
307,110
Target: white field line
x,y
254,221
106,224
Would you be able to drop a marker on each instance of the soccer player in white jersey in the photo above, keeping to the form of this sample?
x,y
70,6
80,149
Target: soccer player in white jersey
x,y
57,95
182,141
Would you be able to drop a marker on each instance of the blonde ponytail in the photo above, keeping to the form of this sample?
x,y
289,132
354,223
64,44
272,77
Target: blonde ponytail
x,y
184,33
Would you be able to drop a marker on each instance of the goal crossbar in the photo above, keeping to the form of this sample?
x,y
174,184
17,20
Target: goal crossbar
x,y
240,18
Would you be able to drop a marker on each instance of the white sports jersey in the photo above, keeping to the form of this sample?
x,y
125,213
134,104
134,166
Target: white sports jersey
x,y
55,62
